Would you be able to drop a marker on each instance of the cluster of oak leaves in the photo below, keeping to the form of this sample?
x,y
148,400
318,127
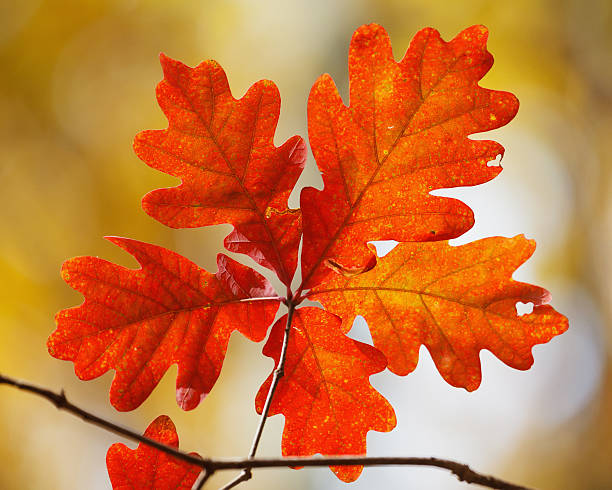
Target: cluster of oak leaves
x,y
404,134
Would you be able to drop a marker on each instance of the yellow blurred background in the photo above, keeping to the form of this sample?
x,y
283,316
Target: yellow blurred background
x,y
77,84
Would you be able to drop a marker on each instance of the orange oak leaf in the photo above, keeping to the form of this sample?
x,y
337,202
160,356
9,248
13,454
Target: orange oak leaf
x,y
146,468
325,394
454,300
140,322
404,134
223,151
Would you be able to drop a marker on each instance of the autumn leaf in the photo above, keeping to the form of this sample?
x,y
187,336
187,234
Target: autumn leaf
x,y
146,468
404,134
325,394
454,300
223,151
139,322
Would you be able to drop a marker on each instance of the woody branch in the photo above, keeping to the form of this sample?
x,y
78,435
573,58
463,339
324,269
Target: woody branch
x,y
210,466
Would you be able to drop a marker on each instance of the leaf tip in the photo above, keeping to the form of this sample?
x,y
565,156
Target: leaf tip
x,y
189,398
297,151
139,142
369,40
474,36
65,270
347,474
545,298
161,422
171,69
479,32
366,32
127,244
115,239
323,88
528,245
166,62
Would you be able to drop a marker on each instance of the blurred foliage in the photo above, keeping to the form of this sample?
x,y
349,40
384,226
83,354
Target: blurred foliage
x,y
77,85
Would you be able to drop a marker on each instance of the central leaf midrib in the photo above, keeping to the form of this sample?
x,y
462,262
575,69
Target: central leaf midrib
x,y
399,290
130,323
234,173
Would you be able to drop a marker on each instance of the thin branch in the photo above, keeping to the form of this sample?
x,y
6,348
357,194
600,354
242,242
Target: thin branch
x,y
461,471
242,477
279,372
203,478
61,403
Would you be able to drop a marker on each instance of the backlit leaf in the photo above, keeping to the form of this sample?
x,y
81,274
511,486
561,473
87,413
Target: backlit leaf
x,y
140,322
454,300
325,394
146,468
223,151
404,134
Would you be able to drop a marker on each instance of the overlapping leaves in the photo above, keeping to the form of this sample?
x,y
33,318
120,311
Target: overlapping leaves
x,y
139,322
222,149
454,300
404,133
326,398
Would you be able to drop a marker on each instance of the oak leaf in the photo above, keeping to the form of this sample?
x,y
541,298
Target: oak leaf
x,y
139,322
325,394
146,468
223,151
404,134
454,300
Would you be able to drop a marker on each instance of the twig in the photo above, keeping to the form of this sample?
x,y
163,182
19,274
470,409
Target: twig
x,y
203,478
461,471
279,372
60,401
243,476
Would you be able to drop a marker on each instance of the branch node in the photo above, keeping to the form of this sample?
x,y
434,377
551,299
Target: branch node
x,y
210,466
244,475
463,472
61,401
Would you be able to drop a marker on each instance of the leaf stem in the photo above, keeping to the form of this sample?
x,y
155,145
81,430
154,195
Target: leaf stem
x,y
279,372
462,471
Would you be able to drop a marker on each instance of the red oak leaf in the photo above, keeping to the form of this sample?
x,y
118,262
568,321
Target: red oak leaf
x,y
404,134
139,322
325,394
223,151
454,300
146,468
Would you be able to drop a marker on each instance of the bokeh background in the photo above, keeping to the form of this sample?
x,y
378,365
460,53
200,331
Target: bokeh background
x,y
77,83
